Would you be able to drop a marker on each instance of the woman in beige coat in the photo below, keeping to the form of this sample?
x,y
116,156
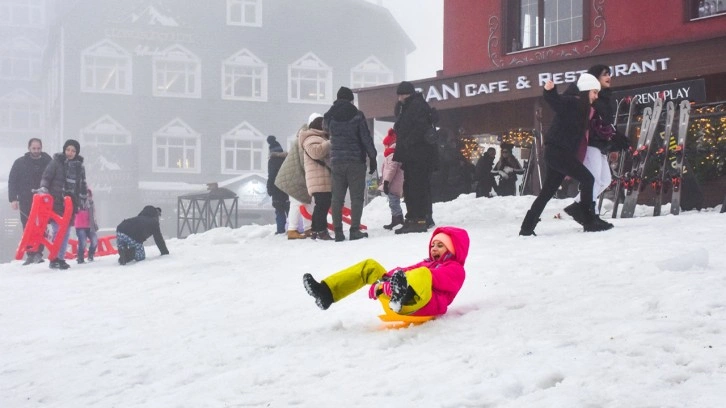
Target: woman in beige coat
x,y
315,144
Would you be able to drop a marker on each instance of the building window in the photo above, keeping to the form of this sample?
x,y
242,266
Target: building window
x,y
538,23
177,73
177,148
20,60
244,77
106,68
370,72
20,111
105,132
242,149
310,80
706,8
22,13
244,13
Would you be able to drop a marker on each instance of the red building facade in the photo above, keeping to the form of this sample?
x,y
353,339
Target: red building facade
x,y
499,53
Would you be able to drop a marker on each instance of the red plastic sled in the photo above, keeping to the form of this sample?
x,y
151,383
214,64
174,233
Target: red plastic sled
x,y
346,217
40,214
105,247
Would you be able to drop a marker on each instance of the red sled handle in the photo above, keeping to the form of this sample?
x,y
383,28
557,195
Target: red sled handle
x,y
346,217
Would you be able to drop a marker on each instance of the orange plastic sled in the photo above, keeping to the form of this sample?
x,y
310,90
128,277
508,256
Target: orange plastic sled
x,y
393,320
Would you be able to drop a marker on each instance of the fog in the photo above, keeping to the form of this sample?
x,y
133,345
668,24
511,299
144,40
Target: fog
x,y
169,96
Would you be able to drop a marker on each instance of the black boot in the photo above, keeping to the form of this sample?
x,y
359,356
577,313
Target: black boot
x,y
412,225
528,225
399,291
592,222
356,233
319,290
574,210
395,220
339,236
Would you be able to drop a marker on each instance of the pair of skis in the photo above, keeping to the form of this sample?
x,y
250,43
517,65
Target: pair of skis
x,y
670,172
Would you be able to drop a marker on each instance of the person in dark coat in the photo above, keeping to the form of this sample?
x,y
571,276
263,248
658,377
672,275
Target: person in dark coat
x,y
350,144
418,158
24,177
507,167
483,173
280,200
572,113
132,232
65,176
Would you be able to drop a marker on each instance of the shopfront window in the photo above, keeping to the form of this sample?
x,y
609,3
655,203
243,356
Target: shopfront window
x,y
543,23
706,8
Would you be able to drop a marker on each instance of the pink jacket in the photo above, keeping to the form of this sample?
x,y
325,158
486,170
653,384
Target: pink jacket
x,y
316,146
393,174
447,275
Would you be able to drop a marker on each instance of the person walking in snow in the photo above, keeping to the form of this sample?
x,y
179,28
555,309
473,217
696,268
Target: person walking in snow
x,y
291,180
24,177
86,228
572,116
392,176
64,176
280,199
602,139
350,144
315,145
414,117
426,288
132,232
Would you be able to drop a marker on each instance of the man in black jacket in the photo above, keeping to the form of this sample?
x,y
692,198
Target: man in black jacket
x,y
25,177
417,156
350,143
483,173
132,232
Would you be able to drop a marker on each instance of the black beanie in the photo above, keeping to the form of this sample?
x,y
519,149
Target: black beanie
x,y
274,144
405,88
345,94
74,143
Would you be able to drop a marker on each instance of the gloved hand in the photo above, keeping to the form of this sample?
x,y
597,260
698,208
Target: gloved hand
x,y
379,288
508,170
386,187
41,190
372,165
503,174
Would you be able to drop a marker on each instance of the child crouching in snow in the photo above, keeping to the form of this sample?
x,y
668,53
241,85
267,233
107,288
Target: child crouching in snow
x,y
423,289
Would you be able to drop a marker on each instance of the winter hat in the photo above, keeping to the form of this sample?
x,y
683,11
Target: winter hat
x,y
313,116
390,137
345,94
446,240
587,82
405,88
274,144
74,143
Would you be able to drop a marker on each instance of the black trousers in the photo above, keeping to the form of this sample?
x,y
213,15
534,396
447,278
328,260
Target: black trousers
x,y
560,164
320,212
417,190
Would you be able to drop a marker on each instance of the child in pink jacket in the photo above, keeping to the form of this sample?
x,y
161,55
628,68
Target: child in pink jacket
x,y
426,288
86,227
392,180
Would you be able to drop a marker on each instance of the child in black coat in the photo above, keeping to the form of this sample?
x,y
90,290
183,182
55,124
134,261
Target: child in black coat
x,y
132,232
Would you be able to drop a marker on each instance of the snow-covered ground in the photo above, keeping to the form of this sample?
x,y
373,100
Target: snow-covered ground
x,y
631,317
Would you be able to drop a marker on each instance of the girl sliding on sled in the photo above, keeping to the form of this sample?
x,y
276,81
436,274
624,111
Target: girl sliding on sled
x,y
426,288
